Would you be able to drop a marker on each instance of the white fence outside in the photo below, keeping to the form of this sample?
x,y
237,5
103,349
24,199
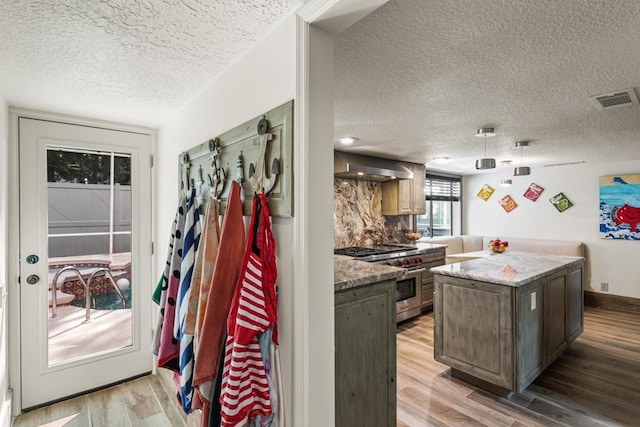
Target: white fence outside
x,y
85,208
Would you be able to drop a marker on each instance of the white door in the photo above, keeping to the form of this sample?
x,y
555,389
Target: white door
x,y
85,221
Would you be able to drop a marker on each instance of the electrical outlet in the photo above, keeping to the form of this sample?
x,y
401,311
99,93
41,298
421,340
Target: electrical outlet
x,y
604,286
533,301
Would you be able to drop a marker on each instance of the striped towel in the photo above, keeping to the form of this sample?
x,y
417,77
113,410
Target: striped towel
x,y
245,388
189,249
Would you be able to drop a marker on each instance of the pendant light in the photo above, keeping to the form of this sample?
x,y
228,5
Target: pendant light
x,y
505,182
485,163
521,170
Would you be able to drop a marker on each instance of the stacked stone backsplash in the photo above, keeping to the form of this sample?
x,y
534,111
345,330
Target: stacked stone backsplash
x,y
357,215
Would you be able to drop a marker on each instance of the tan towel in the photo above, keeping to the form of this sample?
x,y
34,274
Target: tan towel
x,y
225,275
203,269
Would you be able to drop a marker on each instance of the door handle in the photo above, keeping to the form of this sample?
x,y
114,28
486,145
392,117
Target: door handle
x,y
33,279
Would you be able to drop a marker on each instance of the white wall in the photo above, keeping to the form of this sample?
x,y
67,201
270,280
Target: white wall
x,y
611,261
261,80
5,409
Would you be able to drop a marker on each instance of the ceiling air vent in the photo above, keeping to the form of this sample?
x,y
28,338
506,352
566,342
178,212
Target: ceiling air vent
x,y
621,98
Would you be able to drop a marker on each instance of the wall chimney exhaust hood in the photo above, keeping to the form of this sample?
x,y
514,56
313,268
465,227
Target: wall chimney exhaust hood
x,y
357,166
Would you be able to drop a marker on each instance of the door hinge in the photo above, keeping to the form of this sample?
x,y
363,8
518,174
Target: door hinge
x,y
151,161
152,248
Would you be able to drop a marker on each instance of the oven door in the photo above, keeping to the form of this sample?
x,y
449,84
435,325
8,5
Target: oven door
x,y
409,294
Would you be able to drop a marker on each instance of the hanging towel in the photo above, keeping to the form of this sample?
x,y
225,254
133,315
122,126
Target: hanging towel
x,y
155,297
160,294
189,248
203,270
169,348
225,275
245,388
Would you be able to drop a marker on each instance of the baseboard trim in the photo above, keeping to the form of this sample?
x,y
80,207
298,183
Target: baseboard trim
x,y
611,302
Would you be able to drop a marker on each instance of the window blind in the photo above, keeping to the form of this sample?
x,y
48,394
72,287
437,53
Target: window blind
x,y
442,188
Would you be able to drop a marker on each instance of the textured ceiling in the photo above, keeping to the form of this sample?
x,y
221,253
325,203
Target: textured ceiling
x,y
416,78
131,61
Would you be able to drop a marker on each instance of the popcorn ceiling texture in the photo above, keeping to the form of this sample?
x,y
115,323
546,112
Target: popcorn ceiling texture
x,y
416,78
137,59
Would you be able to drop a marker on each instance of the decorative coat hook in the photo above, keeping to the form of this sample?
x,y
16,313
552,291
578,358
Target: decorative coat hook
x,y
259,181
186,171
240,168
218,181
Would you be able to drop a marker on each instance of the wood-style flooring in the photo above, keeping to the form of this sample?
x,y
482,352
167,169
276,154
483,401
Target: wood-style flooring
x,y
144,401
596,382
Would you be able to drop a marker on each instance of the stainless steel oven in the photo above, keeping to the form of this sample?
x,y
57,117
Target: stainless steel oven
x,y
409,294
409,285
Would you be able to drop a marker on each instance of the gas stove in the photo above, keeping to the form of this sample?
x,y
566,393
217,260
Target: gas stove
x,y
395,255
409,285
365,251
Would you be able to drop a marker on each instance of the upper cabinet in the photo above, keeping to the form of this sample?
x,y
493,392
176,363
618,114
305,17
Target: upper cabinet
x,y
405,196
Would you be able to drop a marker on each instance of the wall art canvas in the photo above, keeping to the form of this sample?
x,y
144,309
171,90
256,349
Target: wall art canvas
x,y
620,207
507,203
533,192
485,192
561,202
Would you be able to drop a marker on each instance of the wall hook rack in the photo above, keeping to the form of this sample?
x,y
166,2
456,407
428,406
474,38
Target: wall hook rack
x,y
271,169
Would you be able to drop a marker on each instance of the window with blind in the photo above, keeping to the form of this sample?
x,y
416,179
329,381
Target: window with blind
x,y
443,207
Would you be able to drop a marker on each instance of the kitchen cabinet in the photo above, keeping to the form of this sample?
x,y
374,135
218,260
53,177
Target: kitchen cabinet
x,y
431,259
500,335
405,196
365,355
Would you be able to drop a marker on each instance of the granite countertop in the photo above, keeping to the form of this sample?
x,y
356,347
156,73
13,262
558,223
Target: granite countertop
x,y
508,268
349,273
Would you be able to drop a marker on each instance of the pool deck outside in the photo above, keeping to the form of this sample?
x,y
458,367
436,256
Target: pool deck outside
x,y
70,335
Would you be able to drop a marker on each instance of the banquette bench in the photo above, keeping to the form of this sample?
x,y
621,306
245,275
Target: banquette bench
x,y
472,243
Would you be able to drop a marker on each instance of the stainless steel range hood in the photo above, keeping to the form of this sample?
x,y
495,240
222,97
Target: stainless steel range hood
x,y
357,166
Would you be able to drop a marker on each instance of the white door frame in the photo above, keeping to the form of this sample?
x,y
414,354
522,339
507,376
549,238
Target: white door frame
x,y
320,21
13,265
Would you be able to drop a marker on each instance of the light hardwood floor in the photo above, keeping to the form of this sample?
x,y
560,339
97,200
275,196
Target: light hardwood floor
x,y
596,382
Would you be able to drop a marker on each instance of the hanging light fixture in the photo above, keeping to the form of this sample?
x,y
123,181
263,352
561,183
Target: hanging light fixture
x,y
521,170
505,182
485,163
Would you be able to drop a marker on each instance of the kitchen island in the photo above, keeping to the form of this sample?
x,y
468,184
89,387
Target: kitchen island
x,y
365,343
502,319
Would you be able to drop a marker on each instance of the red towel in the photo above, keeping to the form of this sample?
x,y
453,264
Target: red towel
x,y
245,389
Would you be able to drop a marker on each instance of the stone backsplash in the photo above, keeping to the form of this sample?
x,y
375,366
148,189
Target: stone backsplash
x,y
357,215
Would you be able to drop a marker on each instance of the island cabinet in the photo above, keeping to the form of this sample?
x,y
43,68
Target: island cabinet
x,y
405,196
365,337
500,329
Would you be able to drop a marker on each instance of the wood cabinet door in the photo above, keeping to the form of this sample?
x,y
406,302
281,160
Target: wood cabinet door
x,y
365,343
419,202
474,329
405,197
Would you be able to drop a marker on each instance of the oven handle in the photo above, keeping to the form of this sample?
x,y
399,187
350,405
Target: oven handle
x,y
412,273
